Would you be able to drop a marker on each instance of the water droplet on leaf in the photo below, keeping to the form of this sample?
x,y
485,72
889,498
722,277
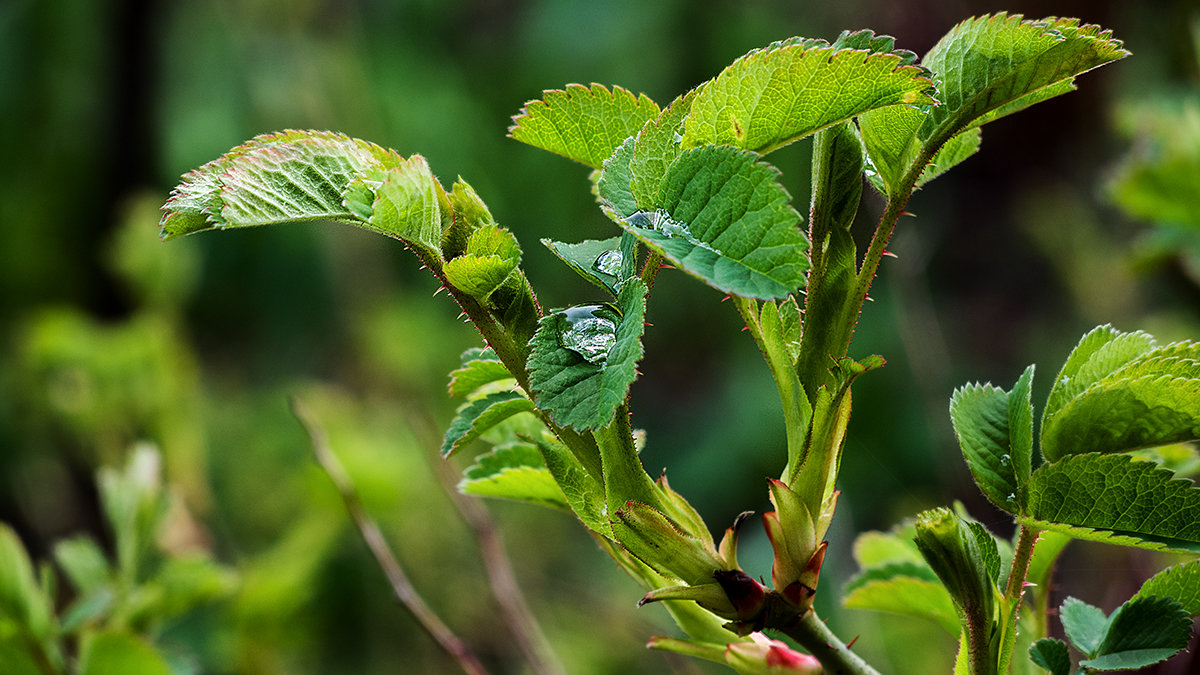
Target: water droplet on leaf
x,y
589,331
1004,460
609,263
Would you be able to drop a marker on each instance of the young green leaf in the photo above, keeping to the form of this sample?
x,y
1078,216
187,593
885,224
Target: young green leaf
x,y
516,472
583,493
994,65
492,254
723,217
480,367
656,148
1084,624
1052,655
482,414
84,563
773,96
1114,499
657,541
995,431
582,123
583,359
1180,583
906,588
1140,633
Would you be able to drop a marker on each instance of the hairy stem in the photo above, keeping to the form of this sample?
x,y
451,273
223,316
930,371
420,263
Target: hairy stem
x,y
1027,539
373,537
837,659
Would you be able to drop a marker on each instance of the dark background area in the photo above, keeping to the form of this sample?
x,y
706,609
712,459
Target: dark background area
x,y
108,336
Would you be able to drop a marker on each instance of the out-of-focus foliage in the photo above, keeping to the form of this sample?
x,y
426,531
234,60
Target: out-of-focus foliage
x,y
108,337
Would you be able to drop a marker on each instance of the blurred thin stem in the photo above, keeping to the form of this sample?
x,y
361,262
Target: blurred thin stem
x,y
371,534
517,615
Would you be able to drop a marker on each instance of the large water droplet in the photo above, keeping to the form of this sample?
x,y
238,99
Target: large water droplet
x,y
609,263
589,331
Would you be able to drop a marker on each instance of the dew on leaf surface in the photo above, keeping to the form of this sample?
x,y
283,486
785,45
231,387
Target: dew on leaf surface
x,y
589,331
609,263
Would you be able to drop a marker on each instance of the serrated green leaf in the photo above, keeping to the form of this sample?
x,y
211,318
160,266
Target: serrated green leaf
x,y
110,652
480,368
1147,623
771,97
997,64
478,276
980,416
906,588
1098,354
479,415
657,147
890,141
724,218
408,206
613,183
594,260
273,178
515,472
1084,624
582,123
1180,582
1113,499
995,431
1052,655
988,549
582,361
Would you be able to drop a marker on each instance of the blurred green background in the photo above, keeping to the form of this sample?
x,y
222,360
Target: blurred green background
x,y
108,336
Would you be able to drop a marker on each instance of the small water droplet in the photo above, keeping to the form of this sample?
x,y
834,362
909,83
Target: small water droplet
x,y
678,138
589,331
609,263
1012,497
1004,460
1066,379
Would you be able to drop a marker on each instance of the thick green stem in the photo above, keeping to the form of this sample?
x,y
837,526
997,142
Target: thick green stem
x,y
834,655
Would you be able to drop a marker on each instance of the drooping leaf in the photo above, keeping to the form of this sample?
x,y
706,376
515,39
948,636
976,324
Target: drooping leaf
x,y
773,96
1180,582
582,123
723,217
516,472
313,175
83,562
584,359
874,549
1052,655
482,414
273,178
906,588
1114,499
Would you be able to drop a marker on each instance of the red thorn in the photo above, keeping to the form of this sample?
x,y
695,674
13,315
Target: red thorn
x,y
908,213
439,290
726,298
890,254
850,644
